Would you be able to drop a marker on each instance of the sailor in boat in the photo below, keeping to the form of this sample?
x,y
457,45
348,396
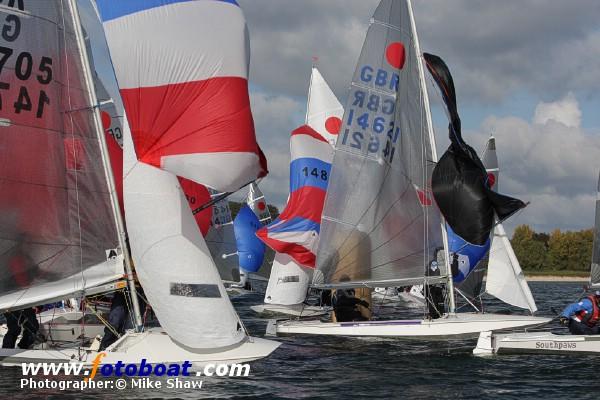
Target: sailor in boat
x,y
583,317
346,306
435,293
20,322
119,317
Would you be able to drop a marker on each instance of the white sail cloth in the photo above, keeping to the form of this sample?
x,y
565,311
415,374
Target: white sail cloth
x,y
185,91
57,221
505,279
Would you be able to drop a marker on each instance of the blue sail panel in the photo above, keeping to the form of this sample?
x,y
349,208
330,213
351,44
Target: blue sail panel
x,y
251,250
467,255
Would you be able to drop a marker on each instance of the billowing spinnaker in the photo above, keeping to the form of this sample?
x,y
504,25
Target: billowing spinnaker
x,y
197,195
595,271
172,261
296,231
185,93
460,182
464,256
324,111
378,222
288,281
58,230
472,285
251,251
185,88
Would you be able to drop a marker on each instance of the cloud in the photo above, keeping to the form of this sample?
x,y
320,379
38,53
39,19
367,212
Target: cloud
x,y
551,162
274,118
493,48
565,111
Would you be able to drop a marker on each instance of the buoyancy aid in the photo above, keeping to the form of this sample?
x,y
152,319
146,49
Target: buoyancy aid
x,y
590,319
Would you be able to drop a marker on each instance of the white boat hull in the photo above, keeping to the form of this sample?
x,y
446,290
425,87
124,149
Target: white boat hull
x,y
153,345
60,326
536,343
457,326
296,310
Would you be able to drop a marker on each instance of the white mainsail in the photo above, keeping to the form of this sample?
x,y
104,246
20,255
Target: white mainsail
x,y
323,109
59,223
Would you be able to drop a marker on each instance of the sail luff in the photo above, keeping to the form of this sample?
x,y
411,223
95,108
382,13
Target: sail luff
x,y
450,283
89,81
310,84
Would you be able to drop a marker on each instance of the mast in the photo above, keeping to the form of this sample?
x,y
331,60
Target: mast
x,y
450,283
105,161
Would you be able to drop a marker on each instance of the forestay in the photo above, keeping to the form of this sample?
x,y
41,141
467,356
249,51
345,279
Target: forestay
x,y
58,224
379,222
182,69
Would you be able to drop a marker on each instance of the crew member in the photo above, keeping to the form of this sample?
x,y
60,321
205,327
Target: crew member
x,y
434,293
583,317
20,322
346,306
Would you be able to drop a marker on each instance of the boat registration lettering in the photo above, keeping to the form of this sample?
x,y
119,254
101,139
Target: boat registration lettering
x,y
556,345
23,76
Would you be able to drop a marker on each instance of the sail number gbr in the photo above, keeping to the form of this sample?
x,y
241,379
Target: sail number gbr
x,y
370,124
26,69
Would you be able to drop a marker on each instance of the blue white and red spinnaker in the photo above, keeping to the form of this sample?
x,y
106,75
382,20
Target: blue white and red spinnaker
x,y
296,231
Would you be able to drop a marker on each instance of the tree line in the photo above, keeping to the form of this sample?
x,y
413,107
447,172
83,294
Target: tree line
x,y
557,251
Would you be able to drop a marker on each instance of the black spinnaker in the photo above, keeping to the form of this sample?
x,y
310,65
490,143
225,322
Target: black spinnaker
x,y
460,181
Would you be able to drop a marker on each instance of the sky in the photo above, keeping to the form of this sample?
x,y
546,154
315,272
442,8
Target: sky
x,y
526,71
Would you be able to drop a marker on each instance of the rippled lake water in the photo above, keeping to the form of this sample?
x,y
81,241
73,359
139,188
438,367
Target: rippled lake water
x,y
333,367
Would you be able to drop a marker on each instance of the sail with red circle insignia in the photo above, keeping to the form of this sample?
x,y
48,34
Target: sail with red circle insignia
x,y
182,70
379,225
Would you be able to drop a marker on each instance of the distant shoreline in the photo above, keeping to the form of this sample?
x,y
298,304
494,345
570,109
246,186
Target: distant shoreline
x,y
556,278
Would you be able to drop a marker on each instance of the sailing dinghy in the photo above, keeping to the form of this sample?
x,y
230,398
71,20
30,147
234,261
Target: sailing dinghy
x,y
62,234
190,118
294,235
490,343
173,263
380,225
